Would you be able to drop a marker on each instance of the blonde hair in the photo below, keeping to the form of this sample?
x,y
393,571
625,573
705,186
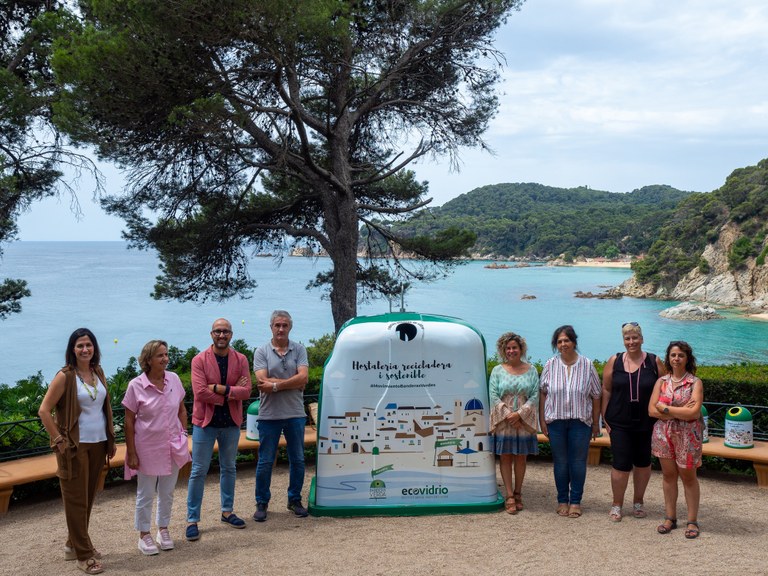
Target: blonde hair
x,y
149,350
505,339
631,327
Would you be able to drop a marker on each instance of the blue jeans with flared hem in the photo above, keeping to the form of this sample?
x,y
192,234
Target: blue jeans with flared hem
x,y
569,440
202,452
269,436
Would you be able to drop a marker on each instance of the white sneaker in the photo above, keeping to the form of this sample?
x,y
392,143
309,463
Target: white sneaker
x,y
147,546
164,539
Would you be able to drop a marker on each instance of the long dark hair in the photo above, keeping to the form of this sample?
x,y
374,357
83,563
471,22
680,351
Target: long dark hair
x,y
690,359
71,358
569,331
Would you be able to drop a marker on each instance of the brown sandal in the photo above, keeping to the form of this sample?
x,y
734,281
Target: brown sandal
x,y
90,566
518,500
574,511
562,510
509,505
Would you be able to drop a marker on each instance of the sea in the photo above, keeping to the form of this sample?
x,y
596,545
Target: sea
x,y
106,287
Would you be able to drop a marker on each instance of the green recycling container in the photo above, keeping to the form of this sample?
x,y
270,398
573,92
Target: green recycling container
x,y
251,420
738,428
705,430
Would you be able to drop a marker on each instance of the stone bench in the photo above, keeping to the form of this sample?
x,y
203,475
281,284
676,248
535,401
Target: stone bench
x,y
25,470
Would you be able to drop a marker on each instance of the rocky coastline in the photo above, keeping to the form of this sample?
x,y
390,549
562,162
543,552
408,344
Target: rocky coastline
x,y
744,289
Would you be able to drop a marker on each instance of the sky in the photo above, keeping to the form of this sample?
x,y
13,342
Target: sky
x,y
610,94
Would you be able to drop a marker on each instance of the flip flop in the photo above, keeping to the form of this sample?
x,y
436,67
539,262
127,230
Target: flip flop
x,y
615,514
562,510
637,510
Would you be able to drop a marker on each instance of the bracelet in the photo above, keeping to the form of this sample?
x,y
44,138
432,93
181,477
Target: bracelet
x,y
226,391
274,386
58,440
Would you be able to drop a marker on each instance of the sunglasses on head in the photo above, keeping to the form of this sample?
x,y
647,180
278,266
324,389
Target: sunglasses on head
x,y
630,324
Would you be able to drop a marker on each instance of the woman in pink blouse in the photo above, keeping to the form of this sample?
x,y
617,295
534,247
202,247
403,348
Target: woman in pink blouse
x,y
569,406
156,442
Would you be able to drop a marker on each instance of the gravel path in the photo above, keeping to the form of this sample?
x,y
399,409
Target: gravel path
x,y
734,538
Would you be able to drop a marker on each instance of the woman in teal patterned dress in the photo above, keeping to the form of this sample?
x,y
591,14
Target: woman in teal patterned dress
x,y
514,393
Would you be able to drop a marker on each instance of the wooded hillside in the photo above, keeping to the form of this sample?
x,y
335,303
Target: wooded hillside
x,y
533,220
699,219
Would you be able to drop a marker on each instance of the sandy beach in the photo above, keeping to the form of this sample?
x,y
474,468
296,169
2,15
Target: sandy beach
x,y
733,518
603,263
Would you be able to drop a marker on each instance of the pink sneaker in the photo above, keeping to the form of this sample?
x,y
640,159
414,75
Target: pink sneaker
x,y
164,539
147,546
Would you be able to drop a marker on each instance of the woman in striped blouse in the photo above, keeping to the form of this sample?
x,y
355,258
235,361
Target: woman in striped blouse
x,y
569,406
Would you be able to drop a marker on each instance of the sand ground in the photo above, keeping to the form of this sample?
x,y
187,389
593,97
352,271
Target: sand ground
x,y
733,518
603,264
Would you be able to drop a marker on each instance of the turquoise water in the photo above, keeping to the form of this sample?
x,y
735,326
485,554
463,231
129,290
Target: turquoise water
x,y
106,287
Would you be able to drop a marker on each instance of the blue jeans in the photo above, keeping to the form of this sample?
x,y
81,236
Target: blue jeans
x,y
202,452
569,440
269,436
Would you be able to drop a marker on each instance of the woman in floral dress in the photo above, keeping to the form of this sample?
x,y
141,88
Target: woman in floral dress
x,y
677,435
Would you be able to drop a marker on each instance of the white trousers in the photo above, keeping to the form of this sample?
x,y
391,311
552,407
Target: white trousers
x,y
146,488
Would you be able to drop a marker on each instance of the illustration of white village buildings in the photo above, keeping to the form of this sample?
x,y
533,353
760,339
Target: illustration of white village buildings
x,y
448,436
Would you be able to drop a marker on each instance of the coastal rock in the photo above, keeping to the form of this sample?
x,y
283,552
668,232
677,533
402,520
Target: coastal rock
x,y
690,311
747,286
607,295
527,297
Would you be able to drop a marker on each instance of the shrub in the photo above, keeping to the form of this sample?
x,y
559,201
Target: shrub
x,y
319,349
739,252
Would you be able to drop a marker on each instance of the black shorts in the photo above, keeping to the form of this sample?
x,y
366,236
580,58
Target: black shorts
x,y
630,448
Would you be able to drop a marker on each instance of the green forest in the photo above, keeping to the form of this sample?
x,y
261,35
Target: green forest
x,y
536,221
698,220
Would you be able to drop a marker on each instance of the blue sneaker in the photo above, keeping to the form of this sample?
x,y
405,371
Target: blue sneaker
x,y
233,520
192,533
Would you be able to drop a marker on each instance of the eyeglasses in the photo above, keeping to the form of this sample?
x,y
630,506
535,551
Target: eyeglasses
x,y
630,324
221,332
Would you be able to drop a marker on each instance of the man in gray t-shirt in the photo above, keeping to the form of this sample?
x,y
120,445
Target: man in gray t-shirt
x,y
281,368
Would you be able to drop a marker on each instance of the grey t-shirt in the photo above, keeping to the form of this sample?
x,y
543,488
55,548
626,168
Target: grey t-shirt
x,y
284,403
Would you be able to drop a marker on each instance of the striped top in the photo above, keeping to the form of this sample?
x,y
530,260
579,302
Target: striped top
x,y
569,396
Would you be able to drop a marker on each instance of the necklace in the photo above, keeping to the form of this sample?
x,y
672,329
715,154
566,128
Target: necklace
x,y
635,397
90,387
677,381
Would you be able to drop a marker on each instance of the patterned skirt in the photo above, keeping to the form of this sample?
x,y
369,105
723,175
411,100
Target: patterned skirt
x,y
508,440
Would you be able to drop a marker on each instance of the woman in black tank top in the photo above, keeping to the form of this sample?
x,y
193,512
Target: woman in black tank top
x,y
628,381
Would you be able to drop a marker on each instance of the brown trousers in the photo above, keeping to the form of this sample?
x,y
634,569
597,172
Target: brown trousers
x,y
79,493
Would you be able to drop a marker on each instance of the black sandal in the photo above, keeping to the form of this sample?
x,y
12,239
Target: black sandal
x,y
692,533
664,529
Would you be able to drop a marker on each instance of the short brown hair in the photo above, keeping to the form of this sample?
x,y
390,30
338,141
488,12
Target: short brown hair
x,y
149,350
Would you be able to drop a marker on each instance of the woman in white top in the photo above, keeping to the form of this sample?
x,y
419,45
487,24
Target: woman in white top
x,y
82,437
569,406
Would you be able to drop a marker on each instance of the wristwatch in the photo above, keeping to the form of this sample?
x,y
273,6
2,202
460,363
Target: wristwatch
x,y
274,386
666,410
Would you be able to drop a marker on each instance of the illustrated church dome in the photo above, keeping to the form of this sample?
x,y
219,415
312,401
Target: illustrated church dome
x,y
473,404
